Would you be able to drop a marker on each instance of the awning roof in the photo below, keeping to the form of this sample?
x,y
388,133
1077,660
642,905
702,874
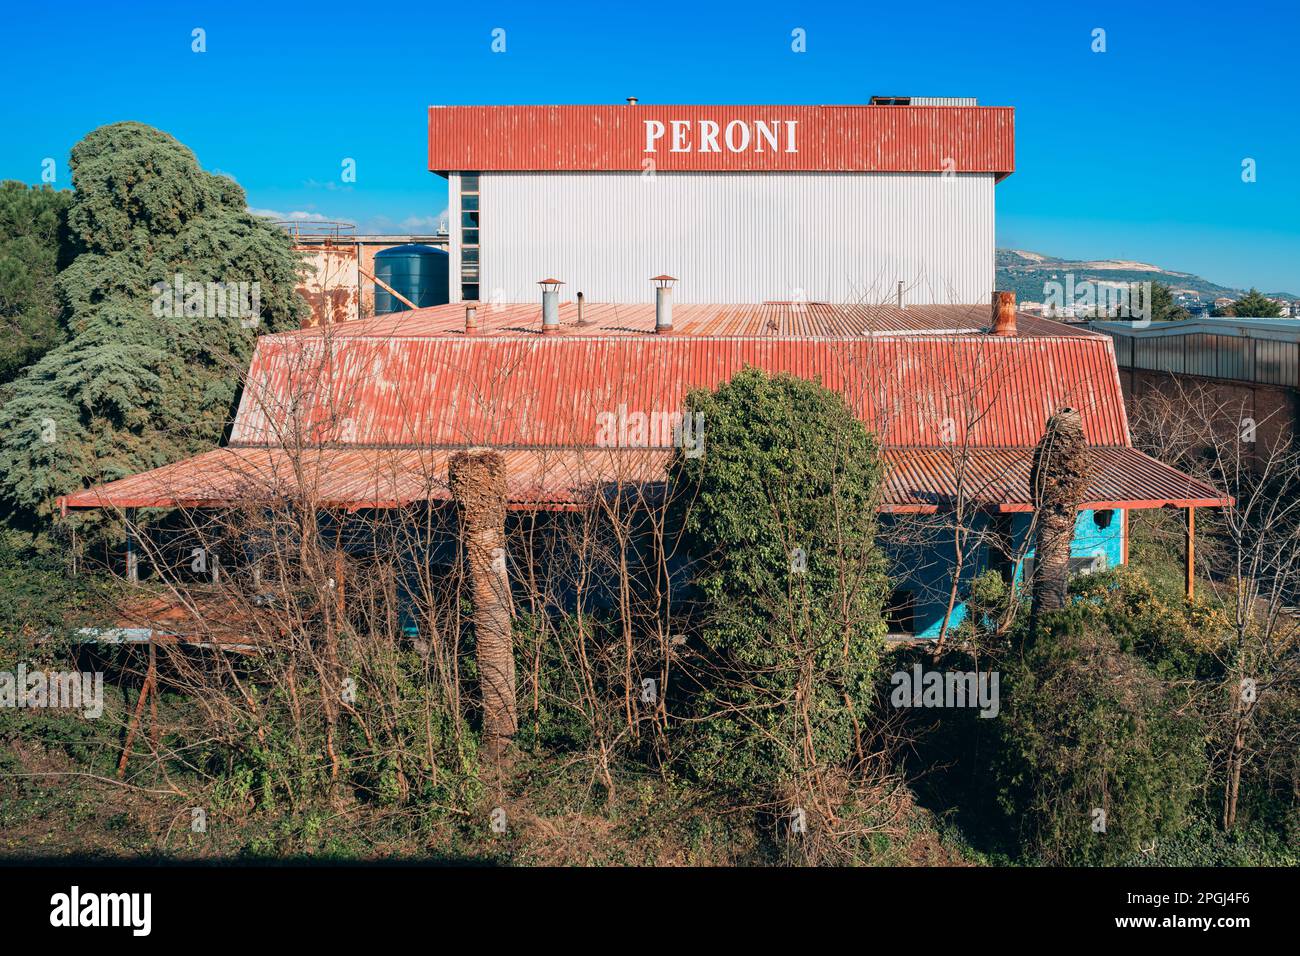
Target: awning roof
x,y
918,479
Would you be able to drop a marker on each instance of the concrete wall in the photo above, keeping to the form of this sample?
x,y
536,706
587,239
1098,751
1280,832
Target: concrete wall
x,y
735,237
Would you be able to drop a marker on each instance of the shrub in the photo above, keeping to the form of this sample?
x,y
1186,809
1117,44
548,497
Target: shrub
x,y
1087,726
779,522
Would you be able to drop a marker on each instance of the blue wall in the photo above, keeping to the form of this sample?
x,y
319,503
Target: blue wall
x,y
924,565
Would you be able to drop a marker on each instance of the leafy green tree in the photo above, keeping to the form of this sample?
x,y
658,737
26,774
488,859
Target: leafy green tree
x,y
1255,305
142,382
1163,306
33,247
779,520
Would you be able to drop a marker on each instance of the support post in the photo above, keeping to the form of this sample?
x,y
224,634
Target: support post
x,y
132,556
1190,551
145,690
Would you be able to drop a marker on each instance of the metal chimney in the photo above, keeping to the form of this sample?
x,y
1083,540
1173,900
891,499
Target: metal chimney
x,y
550,305
1004,313
899,294
663,303
471,320
580,322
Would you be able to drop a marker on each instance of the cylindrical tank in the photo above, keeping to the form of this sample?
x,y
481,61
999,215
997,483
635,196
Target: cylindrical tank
x,y
417,271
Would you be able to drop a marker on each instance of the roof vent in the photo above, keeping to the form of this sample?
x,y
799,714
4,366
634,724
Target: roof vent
x,y
631,101
663,303
550,305
923,101
1004,313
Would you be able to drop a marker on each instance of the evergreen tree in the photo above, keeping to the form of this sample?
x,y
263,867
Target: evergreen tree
x,y
1254,305
140,383
1163,306
33,247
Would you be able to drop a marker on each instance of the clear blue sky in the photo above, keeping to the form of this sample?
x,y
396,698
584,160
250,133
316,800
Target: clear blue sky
x,y
1132,153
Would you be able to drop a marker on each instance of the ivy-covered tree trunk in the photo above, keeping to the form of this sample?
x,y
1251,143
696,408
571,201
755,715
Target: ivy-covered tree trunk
x,y
478,486
1059,481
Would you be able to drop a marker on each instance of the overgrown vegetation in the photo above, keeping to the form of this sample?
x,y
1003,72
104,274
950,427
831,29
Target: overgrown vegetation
x,y
700,671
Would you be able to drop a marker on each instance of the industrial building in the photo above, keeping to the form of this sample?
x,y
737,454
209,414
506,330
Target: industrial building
x,y
841,204
1242,371
773,228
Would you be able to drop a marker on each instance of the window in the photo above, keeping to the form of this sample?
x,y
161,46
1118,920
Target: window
x,y
900,612
1002,549
469,244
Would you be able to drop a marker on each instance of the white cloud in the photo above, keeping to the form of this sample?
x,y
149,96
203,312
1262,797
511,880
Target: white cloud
x,y
296,216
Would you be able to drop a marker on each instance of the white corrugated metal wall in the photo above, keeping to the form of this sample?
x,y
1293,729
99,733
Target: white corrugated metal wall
x,y
738,237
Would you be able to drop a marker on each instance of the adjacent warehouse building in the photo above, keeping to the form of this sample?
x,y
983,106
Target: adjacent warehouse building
x,y
1238,372
839,204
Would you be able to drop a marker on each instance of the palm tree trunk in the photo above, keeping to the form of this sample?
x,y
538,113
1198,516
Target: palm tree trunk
x,y
1058,481
477,480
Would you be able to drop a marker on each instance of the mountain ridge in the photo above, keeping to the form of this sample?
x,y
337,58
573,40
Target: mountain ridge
x,y
1024,271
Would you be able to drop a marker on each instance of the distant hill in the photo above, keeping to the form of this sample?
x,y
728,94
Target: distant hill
x,y
1025,272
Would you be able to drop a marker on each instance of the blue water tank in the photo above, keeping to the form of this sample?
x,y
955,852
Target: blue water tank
x,y
417,271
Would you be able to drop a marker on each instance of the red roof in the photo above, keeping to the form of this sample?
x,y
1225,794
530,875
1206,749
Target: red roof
x,y
379,405
512,386
963,139
918,480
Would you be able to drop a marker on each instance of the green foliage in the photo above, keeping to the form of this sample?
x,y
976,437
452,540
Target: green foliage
x,y
1086,726
33,247
131,390
1175,637
1201,843
1163,306
788,654
37,597
1254,304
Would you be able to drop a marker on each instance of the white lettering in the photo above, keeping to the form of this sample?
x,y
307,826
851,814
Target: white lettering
x,y
654,130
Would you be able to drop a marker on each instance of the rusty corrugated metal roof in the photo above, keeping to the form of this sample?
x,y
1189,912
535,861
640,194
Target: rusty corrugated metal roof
x,y
744,320
921,479
367,386
963,139
378,407
917,480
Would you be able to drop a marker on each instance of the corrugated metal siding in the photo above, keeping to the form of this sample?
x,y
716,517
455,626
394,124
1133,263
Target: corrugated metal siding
x,y
846,238
830,138
535,390
1241,358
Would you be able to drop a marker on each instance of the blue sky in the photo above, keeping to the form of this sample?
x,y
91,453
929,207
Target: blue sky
x,y
1133,153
